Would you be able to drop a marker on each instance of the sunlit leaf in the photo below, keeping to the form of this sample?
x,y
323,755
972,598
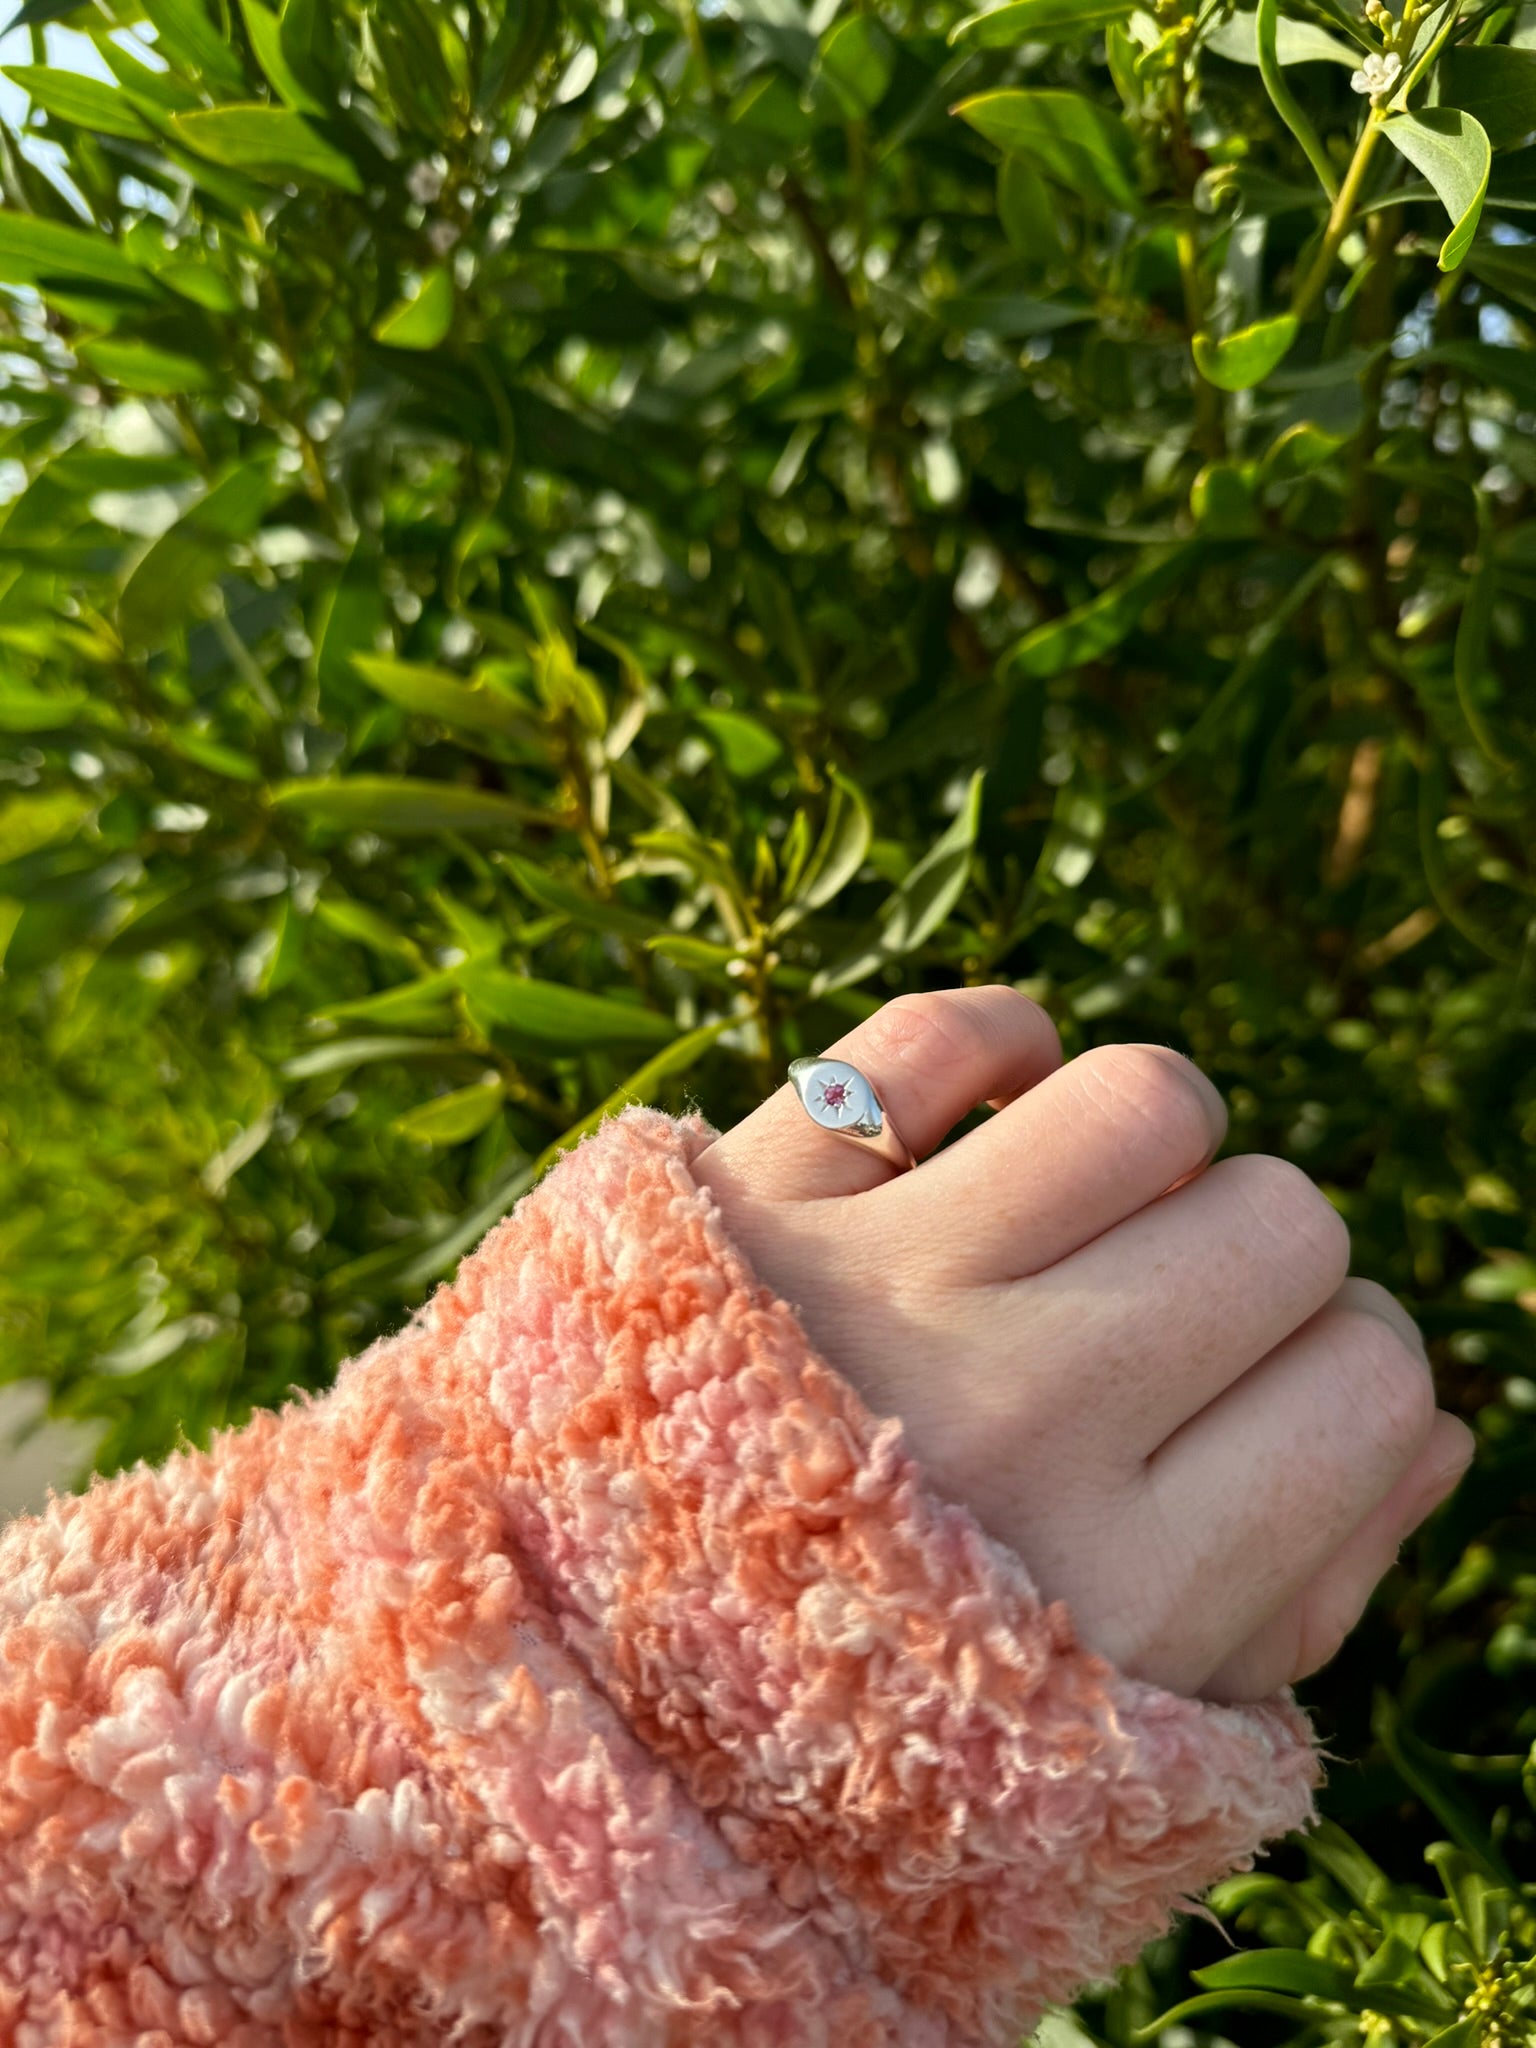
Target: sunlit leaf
x,y
1452,151
1038,21
273,144
567,1018
1066,136
1238,361
919,904
450,1119
423,317
400,805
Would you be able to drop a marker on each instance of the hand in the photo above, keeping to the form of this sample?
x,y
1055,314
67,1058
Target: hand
x,y
1147,1374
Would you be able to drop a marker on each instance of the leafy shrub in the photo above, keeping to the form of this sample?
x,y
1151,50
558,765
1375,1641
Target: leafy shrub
x,y
555,557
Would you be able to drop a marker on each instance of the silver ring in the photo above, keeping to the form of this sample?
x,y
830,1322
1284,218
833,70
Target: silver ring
x,y
838,1098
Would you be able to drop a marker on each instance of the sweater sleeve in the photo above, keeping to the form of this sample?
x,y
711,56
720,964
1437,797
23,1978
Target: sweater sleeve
x,y
588,1668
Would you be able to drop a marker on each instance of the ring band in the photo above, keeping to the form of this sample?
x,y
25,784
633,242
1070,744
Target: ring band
x,y
838,1098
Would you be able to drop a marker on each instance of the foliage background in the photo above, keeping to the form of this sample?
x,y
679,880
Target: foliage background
x,y
563,553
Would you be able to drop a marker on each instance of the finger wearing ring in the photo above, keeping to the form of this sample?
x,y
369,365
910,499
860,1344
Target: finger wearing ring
x,y
840,1099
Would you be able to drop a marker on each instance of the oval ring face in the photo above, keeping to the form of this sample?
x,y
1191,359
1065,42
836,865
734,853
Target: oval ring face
x,y
837,1096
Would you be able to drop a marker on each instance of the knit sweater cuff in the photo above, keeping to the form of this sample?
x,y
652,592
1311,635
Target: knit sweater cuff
x,y
864,1692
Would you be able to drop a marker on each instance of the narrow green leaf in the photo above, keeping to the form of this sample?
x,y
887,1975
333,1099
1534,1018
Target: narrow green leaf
x,y
1290,1970
272,144
1095,628
88,102
171,575
436,693
1393,1963
1495,85
838,854
568,1019
1266,31
1450,149
451,1119
422,319
29,822
745,746
341,1055
1028,212
140,366
854,67
1292,2009
1038,21
1239,361
188,39
49,252
918,905
265,31
400,806
1483,362
1066,136
643,1084
550,892
1296,42
24,709
1509,270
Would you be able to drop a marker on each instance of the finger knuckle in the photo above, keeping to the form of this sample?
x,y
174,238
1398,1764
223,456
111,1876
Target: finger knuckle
x,y
1148,1085
1296,1211
1390,1393
943,1028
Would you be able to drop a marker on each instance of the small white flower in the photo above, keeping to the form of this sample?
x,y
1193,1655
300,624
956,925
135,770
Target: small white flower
x,y
1377,75
425,181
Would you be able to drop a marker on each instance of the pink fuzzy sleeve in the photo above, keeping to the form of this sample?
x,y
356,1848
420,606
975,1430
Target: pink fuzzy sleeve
x,y
589,1669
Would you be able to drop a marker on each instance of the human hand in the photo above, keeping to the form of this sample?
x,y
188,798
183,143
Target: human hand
x,y
1147,1374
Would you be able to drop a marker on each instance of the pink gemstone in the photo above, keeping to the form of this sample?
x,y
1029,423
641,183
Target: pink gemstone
x,y
834,1094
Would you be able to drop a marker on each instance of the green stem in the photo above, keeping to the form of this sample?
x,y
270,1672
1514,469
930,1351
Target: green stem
x,y
1286,105
1340,216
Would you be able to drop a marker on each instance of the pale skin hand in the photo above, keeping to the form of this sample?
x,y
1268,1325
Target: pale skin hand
x,y
1147,1374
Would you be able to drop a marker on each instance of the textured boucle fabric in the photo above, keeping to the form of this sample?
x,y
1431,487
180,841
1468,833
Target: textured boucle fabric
x,y
589,1669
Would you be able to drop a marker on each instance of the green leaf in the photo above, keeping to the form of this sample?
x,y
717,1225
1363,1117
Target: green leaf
x,y
436,693
745,746
1482,362
265,31
920,902
24,709
1065,136
1266,34
551,893
1038,21
88,102
1393,1963
400,806
341,1055
308,37
1511,271
140,366
513,51
642,1085
450,1119
189,41
49,253
29,822
1296,42
171,575
854,67
1239,361
1450,149
1290,1970
1495,85
272,144
1028,212
1095,628
838,854
422,319
569,1019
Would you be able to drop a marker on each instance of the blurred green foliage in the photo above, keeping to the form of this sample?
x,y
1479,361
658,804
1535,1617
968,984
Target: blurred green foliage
x,y
555,555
